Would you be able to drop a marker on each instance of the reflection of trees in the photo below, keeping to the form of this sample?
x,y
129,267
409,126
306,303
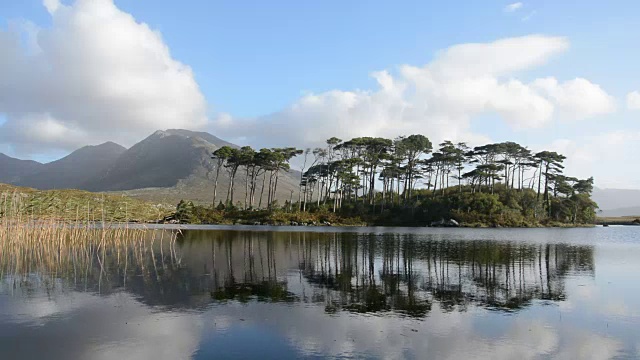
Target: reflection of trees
x,y
405,274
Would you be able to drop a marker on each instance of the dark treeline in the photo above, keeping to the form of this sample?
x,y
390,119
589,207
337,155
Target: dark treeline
x,y
408,180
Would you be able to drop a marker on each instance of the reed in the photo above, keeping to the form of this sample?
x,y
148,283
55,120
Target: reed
x,y
51,249
70,205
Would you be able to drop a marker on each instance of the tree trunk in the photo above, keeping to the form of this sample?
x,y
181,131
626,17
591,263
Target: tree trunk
x,y
215,186
264,179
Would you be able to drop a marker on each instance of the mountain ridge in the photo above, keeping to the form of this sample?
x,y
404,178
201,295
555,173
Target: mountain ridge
x,y
12,169
166,166
71,171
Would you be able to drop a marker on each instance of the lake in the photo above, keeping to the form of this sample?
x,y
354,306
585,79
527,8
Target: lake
x,y
357,293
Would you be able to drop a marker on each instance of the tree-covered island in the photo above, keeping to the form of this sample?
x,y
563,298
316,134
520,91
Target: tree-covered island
x,y
402,182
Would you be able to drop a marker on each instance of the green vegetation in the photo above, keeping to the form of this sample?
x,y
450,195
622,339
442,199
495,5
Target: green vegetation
x,y
405,181
76,205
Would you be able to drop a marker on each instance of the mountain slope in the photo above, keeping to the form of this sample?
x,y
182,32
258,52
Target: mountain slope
x,y
160,160
166,167
610,199
75,169
11,169
175,165
202,135
628,211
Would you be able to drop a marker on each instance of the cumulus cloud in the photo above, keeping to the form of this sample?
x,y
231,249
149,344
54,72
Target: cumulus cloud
x,y
513,7
602,152
440,98
94,72
633,100
578,98
97,74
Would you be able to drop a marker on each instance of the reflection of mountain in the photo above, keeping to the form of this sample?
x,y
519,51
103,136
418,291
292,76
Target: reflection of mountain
x,y
359,273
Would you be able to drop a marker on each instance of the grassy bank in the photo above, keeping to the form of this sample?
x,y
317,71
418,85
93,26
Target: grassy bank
x,y
76,205
619,220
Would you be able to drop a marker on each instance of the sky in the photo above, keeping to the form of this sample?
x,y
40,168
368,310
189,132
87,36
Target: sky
x,y
551,75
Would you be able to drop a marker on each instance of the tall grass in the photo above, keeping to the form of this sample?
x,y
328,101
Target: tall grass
x,y
70,205
89,245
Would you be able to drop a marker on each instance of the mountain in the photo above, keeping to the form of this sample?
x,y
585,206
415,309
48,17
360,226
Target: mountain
x,y
174,165
617,199
628,211
75,169
160,160
166,167
11,169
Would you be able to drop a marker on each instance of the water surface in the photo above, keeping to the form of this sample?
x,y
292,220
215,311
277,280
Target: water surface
x,y
279,293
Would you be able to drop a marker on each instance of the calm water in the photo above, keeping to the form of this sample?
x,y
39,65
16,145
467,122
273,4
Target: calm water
x,y
366,293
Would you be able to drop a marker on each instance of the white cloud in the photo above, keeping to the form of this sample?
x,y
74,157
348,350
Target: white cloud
x,y
439,99
604,152
52,5
95,72
578,98
633,100
513,7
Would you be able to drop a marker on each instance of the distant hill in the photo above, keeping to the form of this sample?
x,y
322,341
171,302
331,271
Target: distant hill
x,y
617,201
11,169
161,160
629,211
74,170
175,165
166,167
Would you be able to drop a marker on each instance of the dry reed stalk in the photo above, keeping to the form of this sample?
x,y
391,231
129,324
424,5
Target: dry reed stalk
x,y
55,249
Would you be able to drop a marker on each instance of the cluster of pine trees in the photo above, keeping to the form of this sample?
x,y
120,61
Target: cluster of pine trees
x,y
410,178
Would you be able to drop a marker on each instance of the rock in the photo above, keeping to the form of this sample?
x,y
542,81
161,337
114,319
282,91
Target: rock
x,y
257,223
293,223
453,223
445,223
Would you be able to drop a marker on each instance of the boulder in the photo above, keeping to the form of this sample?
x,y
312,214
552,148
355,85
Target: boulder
x,y
453,223
445,223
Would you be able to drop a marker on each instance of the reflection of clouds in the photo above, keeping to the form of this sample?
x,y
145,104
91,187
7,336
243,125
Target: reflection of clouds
x,y
152,336
82,326
617,307
586,290
441,335
589,346
72,325
37,310
597,299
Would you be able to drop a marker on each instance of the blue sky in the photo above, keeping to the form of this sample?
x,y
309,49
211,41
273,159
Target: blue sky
x,y
252,60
